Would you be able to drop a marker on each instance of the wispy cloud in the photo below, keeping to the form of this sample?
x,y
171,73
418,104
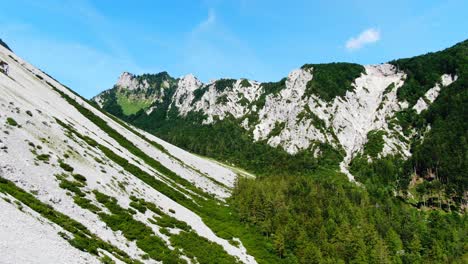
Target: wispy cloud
x,y
86,67
213,50
206,24
366,37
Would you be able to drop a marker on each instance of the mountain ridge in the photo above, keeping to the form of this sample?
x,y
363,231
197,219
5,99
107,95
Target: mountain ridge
x,y
80,185
336,85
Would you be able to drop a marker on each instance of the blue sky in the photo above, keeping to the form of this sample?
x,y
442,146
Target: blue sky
x,y
87,44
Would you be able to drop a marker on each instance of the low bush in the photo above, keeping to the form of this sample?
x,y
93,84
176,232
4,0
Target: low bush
x,y
79,177
43,157
171,222
201,249
66,167
11,122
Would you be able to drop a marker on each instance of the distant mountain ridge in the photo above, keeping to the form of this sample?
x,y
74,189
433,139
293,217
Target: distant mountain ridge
x,y
322,114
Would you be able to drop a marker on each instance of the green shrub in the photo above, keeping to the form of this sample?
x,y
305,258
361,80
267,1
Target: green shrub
x,y
276,131
171,222
106,260
201,249
141,208
79,177
154,247
66,167
86,204
11,122
375,143
74,187
245,83
222,99
43,157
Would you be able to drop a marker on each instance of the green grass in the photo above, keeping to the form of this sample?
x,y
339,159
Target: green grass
x,y
131,106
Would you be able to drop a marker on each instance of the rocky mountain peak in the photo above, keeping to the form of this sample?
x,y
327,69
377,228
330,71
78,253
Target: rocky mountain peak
x,y
190,82
129,81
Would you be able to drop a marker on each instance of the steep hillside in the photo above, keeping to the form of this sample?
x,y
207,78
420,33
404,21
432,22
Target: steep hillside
x,y
79,186
322,115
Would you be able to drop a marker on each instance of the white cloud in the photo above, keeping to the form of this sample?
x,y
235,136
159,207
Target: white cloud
x,y
368,36
207,23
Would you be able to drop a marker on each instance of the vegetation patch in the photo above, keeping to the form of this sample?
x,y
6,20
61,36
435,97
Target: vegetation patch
x,y
168,221
375,143
223,84
79,178
332,79
319,220
43,157
66,166
276,131
198,93
223,99
10,121
245,83
131,105
201,249
86,204
122,219
82,239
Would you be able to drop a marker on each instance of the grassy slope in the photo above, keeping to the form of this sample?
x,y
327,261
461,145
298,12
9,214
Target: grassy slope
x,y
129,106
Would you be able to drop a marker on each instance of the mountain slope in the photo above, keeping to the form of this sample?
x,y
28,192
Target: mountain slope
x,y
85,187
81,186
321,115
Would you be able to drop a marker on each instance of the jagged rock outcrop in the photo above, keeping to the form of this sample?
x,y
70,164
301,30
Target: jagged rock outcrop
x,y
4,67
290,116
